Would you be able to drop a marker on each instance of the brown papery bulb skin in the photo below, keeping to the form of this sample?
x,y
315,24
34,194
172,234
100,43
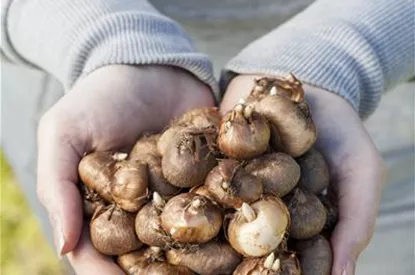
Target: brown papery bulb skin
x,y
146,145
145,151
260,89
167,138
253,266
96,171
191,218
199,118
209,258
289,264
188,159
156,180
163,268
332,213
133,263
203,191
288,86
315,255
89,207
129,185
149,261
283,263
278,172
91,201
315,175
230,185
293,121
204,117
275,140
148,225
308,215
112,232
258,229
243,134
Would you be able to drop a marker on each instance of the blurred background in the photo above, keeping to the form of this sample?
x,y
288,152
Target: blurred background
x,y
24,249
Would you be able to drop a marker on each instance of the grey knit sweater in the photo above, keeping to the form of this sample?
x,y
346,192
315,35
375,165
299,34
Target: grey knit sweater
x,y
356,49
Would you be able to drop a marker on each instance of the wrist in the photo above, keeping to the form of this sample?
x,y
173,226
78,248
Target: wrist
x,y
152,94
184,91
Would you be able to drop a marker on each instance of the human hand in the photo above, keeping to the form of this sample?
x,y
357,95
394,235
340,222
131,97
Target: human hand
x,y
106,110
356,167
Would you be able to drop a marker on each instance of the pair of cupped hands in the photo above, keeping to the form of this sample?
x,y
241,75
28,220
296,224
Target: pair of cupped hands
x,y
112,106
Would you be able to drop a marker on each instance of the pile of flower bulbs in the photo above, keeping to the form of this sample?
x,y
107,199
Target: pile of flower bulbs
x,y
244,193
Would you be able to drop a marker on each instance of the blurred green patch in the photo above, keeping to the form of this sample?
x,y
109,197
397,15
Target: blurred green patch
x,y
24,249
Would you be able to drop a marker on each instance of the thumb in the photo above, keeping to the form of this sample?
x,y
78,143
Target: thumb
x,y
86,260
57,190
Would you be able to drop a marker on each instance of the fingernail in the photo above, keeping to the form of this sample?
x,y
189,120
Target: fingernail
x,y
58,235
60,241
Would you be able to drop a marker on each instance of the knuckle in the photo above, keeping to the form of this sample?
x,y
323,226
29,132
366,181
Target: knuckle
x,y
50,123
58,126
364,240
362,233
367,234
382,167
378,168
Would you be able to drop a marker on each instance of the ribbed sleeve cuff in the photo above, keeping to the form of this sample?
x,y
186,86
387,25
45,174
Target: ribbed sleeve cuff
x,y
137,39
316,61
347,48
70,39
313,60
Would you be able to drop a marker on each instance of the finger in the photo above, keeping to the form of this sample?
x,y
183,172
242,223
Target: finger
x,y
358,194
357,174
57,179
86,260
356,166
356,180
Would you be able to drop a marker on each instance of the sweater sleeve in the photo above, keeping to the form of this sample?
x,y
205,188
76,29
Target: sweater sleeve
x,y
356,49
71,38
